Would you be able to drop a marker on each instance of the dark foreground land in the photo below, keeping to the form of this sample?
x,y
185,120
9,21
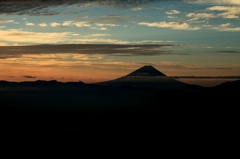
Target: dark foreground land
x,y
51,105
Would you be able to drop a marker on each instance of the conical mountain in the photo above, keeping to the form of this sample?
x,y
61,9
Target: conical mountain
x,y
146,76
146,71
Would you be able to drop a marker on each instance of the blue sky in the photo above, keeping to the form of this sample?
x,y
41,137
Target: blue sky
x,y
192,37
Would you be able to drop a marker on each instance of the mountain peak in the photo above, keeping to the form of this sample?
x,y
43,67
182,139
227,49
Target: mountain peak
x,y
147,70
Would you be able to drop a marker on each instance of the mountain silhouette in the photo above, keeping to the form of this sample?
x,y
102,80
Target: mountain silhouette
x,y
146,71
146,76
229,86
76,106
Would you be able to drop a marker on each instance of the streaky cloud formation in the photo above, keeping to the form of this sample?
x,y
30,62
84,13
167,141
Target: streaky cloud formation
x,y
173,25
229,51
104,49
223,2
41,7
36,7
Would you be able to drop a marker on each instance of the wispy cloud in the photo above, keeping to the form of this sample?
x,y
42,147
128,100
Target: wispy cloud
x,y
214,12
43,25
201,15
30,24
97,35
136,9
229,12
8,21
172,25
20,36
113,19
55,24
28,37
173,12
23,37
226,27
92,24
179,65
225,12
220,2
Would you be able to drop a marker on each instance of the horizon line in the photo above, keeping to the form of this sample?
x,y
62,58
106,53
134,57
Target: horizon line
x,y
175,77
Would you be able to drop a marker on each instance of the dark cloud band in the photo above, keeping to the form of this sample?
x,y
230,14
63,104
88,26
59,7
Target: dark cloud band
x,y
107,49
38,7
229,51
29,76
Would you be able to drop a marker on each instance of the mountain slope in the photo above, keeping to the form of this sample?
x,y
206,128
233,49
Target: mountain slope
x,y
146,76
228,86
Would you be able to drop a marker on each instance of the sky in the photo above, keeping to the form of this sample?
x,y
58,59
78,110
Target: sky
x,y
99,40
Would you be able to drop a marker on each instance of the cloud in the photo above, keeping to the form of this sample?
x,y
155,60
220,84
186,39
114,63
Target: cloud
x,y
97,35
170,17
201,15
179,65
225,12
226,27
173,12
40,7
82,24
220,2
8,21
29,24
113,19
136,9
74,23
229,51
20,36
172,25
154,41
27,37
29,76
93,24
102,28
229,12
53,7
68,23
55,24
9,56
88,49
43,25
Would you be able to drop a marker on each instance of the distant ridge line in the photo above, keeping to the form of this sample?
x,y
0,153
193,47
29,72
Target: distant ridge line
x,y
226,77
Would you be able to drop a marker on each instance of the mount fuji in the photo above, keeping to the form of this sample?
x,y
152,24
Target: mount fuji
x,y
146,71
146,76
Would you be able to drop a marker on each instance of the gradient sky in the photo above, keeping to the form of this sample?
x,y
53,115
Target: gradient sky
x,y
96,40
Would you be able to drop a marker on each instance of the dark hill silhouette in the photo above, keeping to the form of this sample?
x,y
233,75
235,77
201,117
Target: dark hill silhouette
x,y
228,86
53,105
146,76
40,84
